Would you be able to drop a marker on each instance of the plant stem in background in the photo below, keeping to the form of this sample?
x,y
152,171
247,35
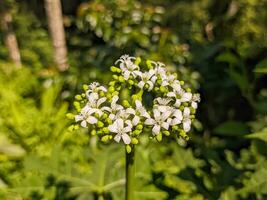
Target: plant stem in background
x,y
130,175
56,28
10,37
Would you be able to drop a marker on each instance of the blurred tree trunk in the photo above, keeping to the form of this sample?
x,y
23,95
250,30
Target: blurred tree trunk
x,y
10,39
56,28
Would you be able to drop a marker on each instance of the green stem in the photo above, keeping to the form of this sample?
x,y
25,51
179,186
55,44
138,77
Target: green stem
x,y
130,175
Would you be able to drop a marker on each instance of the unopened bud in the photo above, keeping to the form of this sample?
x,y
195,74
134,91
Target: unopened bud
x,y
167,133
126,103
100,124
85,87
134,141
78,97
137,61
70,116
159,137
128,149
105,138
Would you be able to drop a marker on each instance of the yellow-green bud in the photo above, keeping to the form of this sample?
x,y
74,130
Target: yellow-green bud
x,y
162,89
116,93
159,81
126,103
111,89
156,89
159,137
136,132
83,95
104,116
78,97
114,69
188,90
137,61
109,121
101,93
131,82
70,116
100,124
181,82
182,134
71,128
185,104
115,77
76,127
121,79
192,110
93,132
85,87
175,128
149,65
105,130
128,149
181,108
167,133
139,127
99,132
105,138
112,83
134,141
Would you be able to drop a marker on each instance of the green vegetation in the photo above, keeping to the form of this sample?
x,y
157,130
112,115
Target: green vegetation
x,y
217,47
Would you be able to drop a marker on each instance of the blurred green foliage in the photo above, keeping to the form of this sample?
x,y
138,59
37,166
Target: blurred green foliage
x,y
218,47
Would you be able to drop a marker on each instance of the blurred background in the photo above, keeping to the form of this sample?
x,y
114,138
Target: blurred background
x,y
48,49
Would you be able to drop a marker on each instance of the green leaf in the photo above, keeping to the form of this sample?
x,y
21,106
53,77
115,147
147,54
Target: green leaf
x,y
261,67
232,128
261,135
227,57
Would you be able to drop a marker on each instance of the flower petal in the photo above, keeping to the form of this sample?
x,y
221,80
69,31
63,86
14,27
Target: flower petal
x,y
119,123
135,120
156,129
141,84
126,74
117,138
187,125
91,120
186,97
100,101
113,128
126,138
150,121
165,125
84,124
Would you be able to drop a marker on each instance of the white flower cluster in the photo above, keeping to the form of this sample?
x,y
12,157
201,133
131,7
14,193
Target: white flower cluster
x,y
110,117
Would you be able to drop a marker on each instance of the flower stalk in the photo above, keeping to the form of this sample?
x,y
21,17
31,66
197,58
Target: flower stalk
x,y
130,175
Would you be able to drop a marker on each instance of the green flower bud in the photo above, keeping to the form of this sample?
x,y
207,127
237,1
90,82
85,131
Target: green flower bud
x,y
105,130
188,90
105,138
149,65
85,87
139,127
71,128
70,116
96,115
192,116
192,110
104,116
159,137
115,69
167,133
109,96
111,89
181,108
78,97
83,95
159,81
162,89
93,132
99,132
109,121
128,149
100,124
181,82
137,132
185,104
102,94
156,89
134,141
76,127
112,83
137,61
121,79
116,93
131,82
126,104
135,97
175,128
115,77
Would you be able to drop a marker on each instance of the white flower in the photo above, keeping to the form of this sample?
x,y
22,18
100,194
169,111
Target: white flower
x,y
128,67
186,119
119,128
114,109
160,120
95,103
140,109
180,96
162,105
178,117
195,99
147,78
85,116
159,69
173,82
95,87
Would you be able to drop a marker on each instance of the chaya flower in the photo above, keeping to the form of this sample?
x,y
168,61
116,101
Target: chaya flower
x,y
159,69
121,131
114,108
195,100
160,120
186,119
94,103
95,87
162,104
172,81
180,97
128,67
147,80
86,116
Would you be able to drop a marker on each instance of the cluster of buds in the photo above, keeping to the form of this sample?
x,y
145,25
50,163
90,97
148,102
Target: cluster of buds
x,y
105,112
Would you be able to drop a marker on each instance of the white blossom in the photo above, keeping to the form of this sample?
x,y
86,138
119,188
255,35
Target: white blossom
x,y
95,87
195,99
94,102
114,108
128,67
172,81
86,116
186,119
159,69
121,130
147,78
162,104
160,120
180,97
